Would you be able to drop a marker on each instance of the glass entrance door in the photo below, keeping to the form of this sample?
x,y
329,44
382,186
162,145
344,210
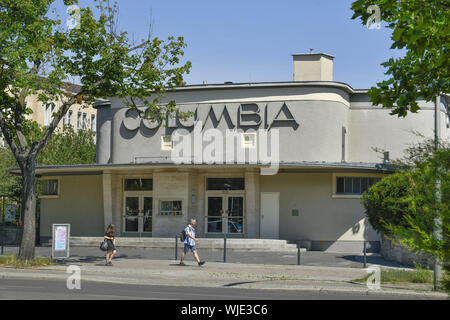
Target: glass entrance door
x,y
137,217
131,215
225,214
235,215
214,218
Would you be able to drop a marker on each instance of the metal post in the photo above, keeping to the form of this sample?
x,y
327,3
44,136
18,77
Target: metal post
x,y
298,252
3,223
176,247
365,254
437,232
225,247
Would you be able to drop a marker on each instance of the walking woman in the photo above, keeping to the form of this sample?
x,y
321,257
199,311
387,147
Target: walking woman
x,y
110,239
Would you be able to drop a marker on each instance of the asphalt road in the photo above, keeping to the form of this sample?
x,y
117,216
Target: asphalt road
x,y
57,290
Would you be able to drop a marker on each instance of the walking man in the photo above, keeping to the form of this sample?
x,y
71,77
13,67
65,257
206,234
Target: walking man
x,y
189,243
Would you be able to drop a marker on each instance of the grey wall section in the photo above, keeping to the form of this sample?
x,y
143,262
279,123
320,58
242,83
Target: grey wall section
x,y
322,218
316,134
374,127
80,203
321,111
170,186
103,143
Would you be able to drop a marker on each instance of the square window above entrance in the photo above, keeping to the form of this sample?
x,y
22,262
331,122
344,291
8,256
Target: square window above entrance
x,y
138,185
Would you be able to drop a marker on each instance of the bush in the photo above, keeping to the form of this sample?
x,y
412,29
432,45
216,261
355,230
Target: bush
x,y
388,201
404,205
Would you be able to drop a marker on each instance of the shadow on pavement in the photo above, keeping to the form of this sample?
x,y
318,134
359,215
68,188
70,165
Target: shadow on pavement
x,y
374,259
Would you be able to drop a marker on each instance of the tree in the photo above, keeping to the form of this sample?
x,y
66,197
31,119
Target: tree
x,y
403,206
422,28
39,55
9,185
63,148
67,147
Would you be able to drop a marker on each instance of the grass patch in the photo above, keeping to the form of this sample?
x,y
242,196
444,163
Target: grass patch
x,y
12,260
419,275
416,276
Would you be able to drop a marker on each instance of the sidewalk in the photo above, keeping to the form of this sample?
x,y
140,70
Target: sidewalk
x,y
218,274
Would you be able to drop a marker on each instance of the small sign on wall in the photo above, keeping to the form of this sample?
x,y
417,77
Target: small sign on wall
x,y
60,242
295,212
10,213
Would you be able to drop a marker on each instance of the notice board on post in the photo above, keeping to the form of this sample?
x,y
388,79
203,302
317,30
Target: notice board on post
x,y
60,241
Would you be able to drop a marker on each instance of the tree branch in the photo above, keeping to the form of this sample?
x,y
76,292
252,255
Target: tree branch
x,y
36,148
7,135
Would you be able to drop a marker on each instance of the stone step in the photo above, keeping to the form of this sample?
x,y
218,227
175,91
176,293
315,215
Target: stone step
x,y
205,243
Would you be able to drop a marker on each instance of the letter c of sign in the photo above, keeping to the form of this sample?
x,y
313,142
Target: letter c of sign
x,y
131,120
151,124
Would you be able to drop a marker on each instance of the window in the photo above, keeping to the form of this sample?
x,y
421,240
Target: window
x,y
48,113
225,184
71,117
84,122
50,187
249,140
166,143
138,185
93,124
170,208
354,185
79,120
68,118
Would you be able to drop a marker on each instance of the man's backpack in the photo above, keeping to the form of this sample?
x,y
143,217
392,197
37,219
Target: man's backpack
x,y
183,235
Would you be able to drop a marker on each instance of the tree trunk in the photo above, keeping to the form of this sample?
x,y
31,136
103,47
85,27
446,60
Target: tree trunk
x,y
28,210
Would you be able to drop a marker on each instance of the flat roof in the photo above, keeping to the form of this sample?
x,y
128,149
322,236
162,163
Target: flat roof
x,y
97,169
101,102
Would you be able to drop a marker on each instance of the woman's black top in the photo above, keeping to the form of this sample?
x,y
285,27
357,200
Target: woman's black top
x,y
111,246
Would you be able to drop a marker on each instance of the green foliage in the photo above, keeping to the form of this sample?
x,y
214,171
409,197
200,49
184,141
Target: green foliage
x,y
68,147
388,276
39,55
404,205
389,201
9,185
423,29
64,148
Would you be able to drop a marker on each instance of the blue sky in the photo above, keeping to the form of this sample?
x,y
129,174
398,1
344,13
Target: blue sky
x,y
252,41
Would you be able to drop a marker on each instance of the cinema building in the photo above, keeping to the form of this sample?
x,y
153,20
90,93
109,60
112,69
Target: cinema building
x,y
281,160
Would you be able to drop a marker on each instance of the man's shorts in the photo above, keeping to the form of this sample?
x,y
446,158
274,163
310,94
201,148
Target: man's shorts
x,y
188,247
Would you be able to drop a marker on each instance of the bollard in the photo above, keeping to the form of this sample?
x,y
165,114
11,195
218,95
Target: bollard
x,y
176,247
298,252
224,247
365,256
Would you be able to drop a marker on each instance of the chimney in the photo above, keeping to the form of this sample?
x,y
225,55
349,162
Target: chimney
x,y
313,67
